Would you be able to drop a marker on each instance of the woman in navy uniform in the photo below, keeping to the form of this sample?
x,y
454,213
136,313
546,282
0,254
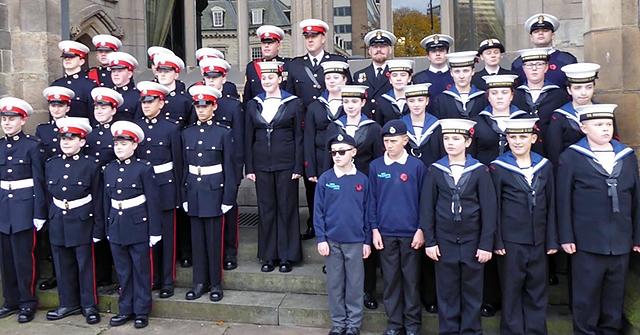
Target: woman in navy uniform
x,y
392,105
274,161
75,220
490,51
320,114
134,222
122,66
163,149
526,231
229,113
208,191
23,206
463,99
598,200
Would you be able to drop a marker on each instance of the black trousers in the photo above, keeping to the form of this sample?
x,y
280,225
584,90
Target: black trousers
x,y
459,278
492,293
206,236
76,279
525,289
231,230
104,261
598,292
279,226
18,269
133,265
401,274
164,252
183,234
427,280
370,271
310,193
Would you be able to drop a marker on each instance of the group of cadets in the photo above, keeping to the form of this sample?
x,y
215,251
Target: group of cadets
x,y
439,177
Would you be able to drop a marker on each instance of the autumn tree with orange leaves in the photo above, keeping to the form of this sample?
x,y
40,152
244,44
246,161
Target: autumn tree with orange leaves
x,y
410,27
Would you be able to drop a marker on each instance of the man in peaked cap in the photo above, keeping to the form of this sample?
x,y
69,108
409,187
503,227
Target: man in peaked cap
x,y
229,89
178,105
438,73
105,44
541,28
74,56
271,38
122,66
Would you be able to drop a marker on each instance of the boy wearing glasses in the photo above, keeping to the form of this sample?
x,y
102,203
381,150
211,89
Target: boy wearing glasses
x,y
538,96
344,240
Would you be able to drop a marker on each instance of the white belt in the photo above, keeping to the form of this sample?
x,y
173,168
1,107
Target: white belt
x,y
16,184
162,168
129,203
64,204
205,170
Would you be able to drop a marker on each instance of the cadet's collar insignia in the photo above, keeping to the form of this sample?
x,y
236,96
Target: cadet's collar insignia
x,y
540,19
75,76
108,68
154,121
340,137
106,126
199,122
362,77
127,161
209,122
392,130
125,88
16,137
76,157
378,34
53,122
436,39
173,94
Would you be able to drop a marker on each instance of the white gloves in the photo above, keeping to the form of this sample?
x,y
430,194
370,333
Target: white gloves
x,y
107,238
225,208
96,240
153,240
185,206
38,223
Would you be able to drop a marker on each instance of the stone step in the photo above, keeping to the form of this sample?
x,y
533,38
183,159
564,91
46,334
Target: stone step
x,y
248,245
286,309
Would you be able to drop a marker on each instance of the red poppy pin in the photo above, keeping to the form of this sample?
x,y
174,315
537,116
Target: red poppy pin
x,y
306,164
359,188
403,177
552,67
449,86
472,131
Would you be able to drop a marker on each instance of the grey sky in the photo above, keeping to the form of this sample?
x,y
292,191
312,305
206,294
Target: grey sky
x,y
420,5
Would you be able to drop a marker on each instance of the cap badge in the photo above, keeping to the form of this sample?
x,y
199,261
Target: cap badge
x,y
66,49
378,34
65,129
116,61
144,91
340,138
436,39
57,96
490,42
540,19
266,35
308,28
392,130
99,97
103,43
200,96
119,132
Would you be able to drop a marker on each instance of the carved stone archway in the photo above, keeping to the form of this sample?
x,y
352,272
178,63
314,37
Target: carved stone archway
x,y
93,20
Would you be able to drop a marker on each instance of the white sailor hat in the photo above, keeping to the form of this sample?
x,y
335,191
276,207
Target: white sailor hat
x,y
214,67
313,26
457,126
520,126
271,67
106,96
400,65
335,67
150,90
73,49
11,106
106,42
462,58
353,91
69,126
490,44
541,21
203,53
417,90
127,130
269,33
379,36
500,80
597,111
437,41
580,73
153,51
58,94
203,95
168,62
534,54
122,60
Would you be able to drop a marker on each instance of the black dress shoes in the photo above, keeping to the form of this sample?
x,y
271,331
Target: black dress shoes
x,y
186,263
166,292
324,269
309,234
488,310
337,331
230,263
5,312
197,291
63,312
553,279
26,315
216,293
370,301
285,266
120,319
91,315
48,284
433,309
142,320
268,266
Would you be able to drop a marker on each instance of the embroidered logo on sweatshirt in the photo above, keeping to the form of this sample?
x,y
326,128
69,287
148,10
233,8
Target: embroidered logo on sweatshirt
x,y
333,186
384,175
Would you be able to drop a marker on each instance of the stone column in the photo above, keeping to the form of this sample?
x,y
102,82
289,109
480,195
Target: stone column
x,y
244,56
29,54
386,15
309,9
189,34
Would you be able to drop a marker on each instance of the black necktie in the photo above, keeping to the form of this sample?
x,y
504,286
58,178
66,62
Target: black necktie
x,y
315,62
379,74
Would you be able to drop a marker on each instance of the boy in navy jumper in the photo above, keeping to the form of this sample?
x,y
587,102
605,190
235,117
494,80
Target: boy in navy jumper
x,y
598,197
343,233
396,180
458,217
526,230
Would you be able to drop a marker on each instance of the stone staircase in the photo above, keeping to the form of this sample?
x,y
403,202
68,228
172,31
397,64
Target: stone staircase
x,y
296,298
